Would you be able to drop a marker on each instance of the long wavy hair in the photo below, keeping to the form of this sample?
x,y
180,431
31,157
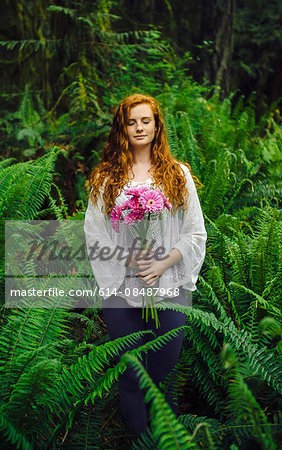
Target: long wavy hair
x,y
117,159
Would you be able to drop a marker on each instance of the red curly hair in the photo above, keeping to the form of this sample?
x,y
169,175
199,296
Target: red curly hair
x,y
117,157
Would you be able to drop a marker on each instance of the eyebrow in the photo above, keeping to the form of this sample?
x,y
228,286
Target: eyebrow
x,y
143,118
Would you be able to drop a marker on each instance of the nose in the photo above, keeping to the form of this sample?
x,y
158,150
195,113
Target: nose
x,y
139,126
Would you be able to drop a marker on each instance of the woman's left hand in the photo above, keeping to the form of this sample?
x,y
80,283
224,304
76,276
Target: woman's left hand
x,y
151,275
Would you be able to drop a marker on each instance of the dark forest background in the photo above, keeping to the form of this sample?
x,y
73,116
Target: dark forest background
x,y
233,44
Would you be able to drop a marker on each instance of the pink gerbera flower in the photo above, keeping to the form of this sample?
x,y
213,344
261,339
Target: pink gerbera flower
x,y
152,201
133,203
136,191
115,217
166,202
133,216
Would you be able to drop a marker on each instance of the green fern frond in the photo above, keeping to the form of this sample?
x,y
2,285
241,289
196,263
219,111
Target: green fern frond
x,y
242,401
62,9
260,359
207,383
28,186
12,434
28,331
58,211
204,430
177,378
86,367
188,144
155,344
268,306
213,298
166,429
6,162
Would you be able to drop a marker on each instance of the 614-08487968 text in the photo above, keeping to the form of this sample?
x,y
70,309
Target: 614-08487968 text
x,y
169,292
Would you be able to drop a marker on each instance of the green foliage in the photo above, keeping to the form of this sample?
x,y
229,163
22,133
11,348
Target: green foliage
x,y
241,399
58,369
24,187
257,48
166,429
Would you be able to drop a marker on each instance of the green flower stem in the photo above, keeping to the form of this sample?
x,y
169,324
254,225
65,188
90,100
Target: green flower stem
x,y
154,310
154,314
150,299
147,309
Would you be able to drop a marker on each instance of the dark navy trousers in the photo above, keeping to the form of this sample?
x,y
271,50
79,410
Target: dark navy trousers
x,y
121,321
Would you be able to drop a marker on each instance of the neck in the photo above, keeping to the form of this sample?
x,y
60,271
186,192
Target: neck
x,y
142,156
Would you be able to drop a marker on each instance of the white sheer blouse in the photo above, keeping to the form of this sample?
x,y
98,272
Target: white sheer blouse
x,y
184,231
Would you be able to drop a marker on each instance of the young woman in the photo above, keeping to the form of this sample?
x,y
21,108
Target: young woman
x,y
137,154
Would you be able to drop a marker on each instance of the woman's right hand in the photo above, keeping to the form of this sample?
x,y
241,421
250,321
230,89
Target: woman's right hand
x,y
141,261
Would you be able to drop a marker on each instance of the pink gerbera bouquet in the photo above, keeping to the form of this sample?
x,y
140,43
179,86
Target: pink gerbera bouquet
x,y
142,204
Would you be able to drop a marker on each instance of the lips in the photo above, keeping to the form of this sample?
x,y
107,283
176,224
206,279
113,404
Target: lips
x,y
139,136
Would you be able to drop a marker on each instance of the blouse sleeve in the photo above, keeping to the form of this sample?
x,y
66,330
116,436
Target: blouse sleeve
x,y
192,234
108,268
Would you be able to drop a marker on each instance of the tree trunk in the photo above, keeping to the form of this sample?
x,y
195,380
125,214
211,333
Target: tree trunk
x,y
217,26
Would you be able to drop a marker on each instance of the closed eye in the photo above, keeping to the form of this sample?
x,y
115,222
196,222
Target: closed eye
x,y
143,122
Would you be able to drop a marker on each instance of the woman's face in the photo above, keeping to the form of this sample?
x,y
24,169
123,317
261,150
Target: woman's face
x,y
141,126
